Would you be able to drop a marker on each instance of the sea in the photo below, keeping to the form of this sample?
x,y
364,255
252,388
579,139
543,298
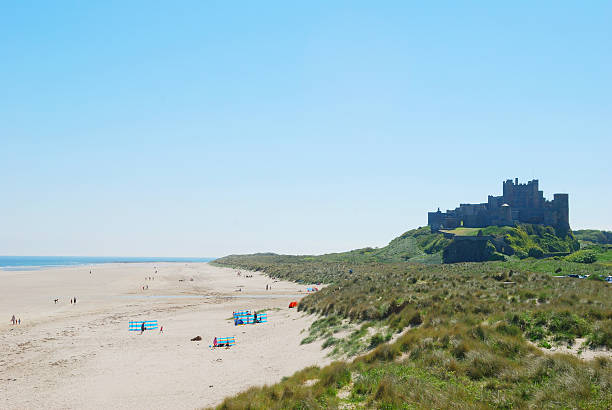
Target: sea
x,y
14,263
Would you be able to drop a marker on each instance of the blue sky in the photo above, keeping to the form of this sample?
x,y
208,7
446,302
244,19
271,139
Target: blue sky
x,y
209,128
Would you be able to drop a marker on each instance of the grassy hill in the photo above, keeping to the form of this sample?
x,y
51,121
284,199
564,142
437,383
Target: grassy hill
x,y
422,246
417,245
466,335
523,241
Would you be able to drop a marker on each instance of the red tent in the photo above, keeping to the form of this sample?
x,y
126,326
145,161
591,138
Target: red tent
x,y
292,304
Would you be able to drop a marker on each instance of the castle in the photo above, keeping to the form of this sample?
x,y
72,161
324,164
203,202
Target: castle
x,y
519,203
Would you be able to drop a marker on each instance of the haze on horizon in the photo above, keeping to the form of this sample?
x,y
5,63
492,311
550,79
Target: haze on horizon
x,y
205,129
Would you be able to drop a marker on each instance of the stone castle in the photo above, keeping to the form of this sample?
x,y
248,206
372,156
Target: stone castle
x,y
519,203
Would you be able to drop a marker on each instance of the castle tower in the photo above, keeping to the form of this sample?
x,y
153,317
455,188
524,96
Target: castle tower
x,y
561,208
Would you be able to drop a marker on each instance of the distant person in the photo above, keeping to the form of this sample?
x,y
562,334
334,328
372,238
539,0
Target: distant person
x,y
142,328
71,301
55,300
13,319
19,320
161,329
74,300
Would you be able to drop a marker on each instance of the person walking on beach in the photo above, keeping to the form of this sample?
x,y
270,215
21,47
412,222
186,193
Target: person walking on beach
x,y
19,320
74,300
71,301
142,328
13,319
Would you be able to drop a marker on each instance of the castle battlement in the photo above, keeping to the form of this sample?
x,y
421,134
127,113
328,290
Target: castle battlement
x,y
519,203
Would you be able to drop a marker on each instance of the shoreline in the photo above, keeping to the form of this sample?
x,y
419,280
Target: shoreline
x,y
90,261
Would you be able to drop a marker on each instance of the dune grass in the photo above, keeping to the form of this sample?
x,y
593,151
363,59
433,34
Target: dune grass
x,y
470,336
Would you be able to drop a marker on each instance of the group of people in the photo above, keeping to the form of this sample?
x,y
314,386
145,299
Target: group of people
x,y
72,300
15,321
146,287
239,321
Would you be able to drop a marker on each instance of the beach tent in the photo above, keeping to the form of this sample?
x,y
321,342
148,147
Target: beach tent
x,y
293,304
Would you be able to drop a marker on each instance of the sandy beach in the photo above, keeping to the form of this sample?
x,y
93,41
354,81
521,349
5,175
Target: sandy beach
x,y
82,355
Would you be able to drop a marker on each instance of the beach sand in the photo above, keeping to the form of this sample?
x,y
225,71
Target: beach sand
x,y
83,356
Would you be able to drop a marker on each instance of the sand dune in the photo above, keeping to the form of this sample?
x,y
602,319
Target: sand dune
x,y
82,356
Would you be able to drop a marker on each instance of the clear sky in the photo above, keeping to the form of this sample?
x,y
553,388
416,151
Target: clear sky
x,y
206,128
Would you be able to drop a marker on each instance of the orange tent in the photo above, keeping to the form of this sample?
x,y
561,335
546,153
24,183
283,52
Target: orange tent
x,y
292,304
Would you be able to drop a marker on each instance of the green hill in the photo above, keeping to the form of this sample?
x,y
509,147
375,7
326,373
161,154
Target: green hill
x,y
423,246
525,241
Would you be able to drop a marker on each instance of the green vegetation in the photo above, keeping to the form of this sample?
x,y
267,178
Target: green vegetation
x,y
594,236
592,254
463,231
583,256
422,246
499,242
465,335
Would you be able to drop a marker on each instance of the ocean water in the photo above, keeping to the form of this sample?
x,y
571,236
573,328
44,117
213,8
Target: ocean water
x,y
40,262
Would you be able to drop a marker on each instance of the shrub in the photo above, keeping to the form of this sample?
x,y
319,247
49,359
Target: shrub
x,y
545,344
482,364
582,256
415,320
507,329
520,253
335,375
535,252
376,340
602,335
